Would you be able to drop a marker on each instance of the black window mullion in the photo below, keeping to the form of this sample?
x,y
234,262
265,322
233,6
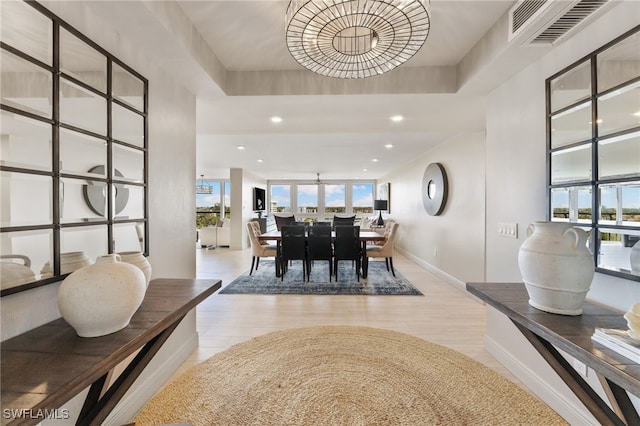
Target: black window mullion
x,y
110,186
55,157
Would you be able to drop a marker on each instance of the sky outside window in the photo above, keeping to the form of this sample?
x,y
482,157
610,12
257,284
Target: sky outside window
x,y
335,198
363,197
280,198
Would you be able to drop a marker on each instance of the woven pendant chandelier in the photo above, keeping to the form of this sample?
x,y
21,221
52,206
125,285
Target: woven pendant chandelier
x,y
355,38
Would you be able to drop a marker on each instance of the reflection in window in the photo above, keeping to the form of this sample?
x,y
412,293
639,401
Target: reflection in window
x,y
24,85
83,62
619,157
25,142
573,125
571,164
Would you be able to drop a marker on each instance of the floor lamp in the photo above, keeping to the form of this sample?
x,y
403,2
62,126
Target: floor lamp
x,y
380,205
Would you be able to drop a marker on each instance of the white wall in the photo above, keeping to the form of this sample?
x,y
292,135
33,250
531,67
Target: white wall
x,y
242,183
516,192
453,242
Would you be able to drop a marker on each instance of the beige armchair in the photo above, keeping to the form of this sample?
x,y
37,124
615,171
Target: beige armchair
x,y
258,248
386,249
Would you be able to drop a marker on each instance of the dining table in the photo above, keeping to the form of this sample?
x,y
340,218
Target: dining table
x,y
365,237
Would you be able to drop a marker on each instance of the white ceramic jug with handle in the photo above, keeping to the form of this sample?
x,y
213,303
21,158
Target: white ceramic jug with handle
x,y
557,267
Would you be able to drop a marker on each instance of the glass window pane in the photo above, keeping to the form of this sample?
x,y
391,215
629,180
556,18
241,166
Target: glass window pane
x,y
81,241
128,163
280,198
572,204
608,204
129,202
25,142
335,199
82,108
208,205
630,195
30,256
619,63
25,86
619,156
82,200
128,237
307,198
619,110
20,19
571,126
571,87
362,198
82,61
571,164
127,125
616,248
127,88
81,154
560,204
227,199
26,199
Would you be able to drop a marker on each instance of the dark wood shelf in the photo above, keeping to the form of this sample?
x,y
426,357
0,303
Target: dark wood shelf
x,y
572,334
47,366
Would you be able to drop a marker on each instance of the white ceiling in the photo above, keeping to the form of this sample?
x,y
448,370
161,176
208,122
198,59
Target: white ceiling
x,y
232,54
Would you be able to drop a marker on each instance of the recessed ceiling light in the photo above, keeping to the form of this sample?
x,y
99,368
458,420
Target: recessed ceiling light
x,y
260,160
364,170
276,119
375,160
397,118
389,146
240,147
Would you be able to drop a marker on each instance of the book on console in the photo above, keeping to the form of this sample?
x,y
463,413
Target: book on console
x,y
619,341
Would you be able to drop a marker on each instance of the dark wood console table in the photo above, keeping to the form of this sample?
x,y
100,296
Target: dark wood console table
x,y
44,368
572,334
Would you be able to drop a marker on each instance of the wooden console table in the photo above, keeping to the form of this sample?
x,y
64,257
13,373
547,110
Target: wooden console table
x,y
44,368
572,334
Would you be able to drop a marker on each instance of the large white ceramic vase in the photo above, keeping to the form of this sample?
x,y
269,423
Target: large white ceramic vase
x,y
556,266
101,298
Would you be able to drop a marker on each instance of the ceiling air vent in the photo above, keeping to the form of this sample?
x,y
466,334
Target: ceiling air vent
x,y
569,20
544,22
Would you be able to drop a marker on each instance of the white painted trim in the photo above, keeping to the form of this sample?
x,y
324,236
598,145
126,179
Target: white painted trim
x,y
149,383
435,271
572,413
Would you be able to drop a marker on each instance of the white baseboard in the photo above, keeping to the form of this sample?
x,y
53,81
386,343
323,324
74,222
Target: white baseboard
x,y
435,271
149,382
572,413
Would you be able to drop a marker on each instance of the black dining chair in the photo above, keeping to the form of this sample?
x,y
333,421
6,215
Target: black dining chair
x,y
343,221
319,247
293,246
346,246
284,220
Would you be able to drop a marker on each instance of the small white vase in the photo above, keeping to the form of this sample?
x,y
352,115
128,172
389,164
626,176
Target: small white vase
x,y
72,261
100,299
136,258
557,267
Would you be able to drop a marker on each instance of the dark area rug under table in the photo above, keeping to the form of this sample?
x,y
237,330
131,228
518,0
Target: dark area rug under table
x,y
378,282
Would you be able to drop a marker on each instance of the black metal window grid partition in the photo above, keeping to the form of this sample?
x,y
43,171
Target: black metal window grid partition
x,y
593,147
87,104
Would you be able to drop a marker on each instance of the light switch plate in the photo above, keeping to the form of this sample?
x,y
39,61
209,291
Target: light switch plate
x,y
508,229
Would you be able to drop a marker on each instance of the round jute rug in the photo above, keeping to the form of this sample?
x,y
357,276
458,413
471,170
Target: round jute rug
x,y
342,375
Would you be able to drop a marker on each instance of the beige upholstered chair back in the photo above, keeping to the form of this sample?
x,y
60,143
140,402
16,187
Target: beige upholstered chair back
x,y
389,238
254,231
